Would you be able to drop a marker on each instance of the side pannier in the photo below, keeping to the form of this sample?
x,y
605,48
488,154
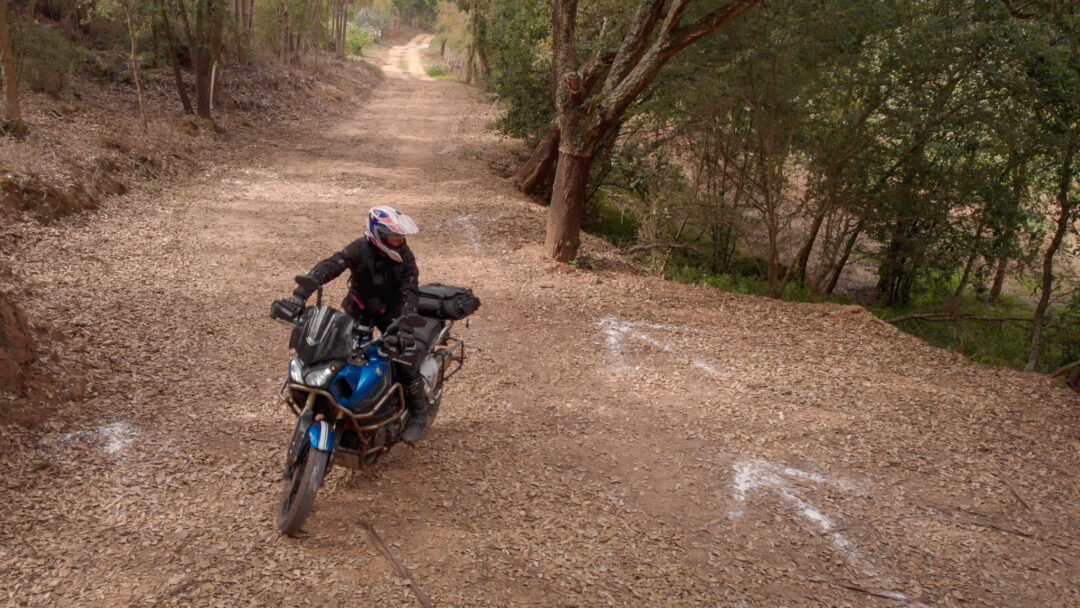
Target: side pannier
x,y
446,301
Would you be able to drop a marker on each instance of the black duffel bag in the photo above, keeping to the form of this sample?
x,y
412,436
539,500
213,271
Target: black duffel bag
x,y
446,301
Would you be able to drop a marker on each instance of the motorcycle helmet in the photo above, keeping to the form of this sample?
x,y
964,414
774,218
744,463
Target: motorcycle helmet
x,y
387,229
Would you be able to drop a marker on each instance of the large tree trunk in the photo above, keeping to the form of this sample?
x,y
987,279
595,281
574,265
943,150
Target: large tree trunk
x,y
567,205
7,66
1065,203
537,170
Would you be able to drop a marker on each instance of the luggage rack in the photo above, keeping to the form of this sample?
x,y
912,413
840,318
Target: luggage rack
x,y
455,353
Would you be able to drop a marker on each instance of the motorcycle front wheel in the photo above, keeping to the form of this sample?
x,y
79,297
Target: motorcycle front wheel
x,y
299,494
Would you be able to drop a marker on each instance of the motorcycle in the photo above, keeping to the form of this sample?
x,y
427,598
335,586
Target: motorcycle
x,y
340,384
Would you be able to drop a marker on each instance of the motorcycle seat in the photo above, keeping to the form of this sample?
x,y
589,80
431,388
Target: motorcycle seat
x,y
427,333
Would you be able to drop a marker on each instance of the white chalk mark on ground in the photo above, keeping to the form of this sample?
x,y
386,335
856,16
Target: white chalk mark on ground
x,y
118,436
114,437
616,332
755,475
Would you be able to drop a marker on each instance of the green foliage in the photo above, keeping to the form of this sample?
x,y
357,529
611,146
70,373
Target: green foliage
x,y
612,223
356,38
519,37
748,284
437,71
46,58
418,13
1003,343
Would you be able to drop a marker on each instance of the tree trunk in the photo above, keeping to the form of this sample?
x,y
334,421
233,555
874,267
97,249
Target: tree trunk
x,y
999,278
208,31
7,66
1038,320
284,30
481,60
537,170
203,61
585,122
135,64
839,269
243,10
177,74
567,205
970,263
802,258
155,38
470,52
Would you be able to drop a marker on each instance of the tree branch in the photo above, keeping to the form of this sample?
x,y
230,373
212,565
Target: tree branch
x,y
564,49
1061,370
652,246
944,316
681,37
618,95
674,17
636,40
1017,12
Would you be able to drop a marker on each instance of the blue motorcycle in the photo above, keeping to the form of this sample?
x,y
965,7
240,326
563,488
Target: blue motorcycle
x,y
350,410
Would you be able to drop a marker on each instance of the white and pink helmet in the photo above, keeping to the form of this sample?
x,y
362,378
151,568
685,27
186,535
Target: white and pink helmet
x,y
385,220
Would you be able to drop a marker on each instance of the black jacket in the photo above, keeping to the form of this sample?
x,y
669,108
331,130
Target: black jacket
x,y
378,286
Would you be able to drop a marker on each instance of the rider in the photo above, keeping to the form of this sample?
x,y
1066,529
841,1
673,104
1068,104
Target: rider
x,y
382,287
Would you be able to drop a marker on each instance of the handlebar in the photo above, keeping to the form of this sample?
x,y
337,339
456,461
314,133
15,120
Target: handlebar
x,y
390,340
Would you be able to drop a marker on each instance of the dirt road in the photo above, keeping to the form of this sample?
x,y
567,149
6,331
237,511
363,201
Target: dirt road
x,y
613,439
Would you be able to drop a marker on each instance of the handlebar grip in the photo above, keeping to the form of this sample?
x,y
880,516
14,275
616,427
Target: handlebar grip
x,y
282,312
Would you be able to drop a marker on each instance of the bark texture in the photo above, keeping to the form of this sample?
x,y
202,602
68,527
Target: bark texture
x,y
568,198
538,169
7,65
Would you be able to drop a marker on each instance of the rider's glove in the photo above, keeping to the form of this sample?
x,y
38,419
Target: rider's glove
x,y
406,340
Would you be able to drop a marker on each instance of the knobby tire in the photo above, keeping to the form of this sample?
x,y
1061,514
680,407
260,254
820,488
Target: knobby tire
x,y
299,495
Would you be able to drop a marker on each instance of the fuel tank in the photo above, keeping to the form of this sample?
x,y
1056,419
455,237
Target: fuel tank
x,y
358,387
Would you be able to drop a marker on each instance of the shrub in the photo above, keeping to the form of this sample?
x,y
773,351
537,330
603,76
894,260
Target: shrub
x,y
356,38
47,58
436,71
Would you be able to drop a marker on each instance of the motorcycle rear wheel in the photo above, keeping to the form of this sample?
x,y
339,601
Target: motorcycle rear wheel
x,y
299,495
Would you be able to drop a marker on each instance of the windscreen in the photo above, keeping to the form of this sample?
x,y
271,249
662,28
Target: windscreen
x,y
324,334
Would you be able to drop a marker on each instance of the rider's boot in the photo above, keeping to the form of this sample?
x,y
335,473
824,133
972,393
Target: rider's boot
x,y
417,404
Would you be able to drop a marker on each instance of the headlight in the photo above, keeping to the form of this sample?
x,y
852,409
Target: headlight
x,y
296,370
320,377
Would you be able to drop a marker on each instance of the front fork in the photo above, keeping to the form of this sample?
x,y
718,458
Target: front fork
x,y
318,435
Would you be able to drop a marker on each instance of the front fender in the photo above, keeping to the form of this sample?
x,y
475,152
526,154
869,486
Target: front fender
x,y
296,445
321,436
